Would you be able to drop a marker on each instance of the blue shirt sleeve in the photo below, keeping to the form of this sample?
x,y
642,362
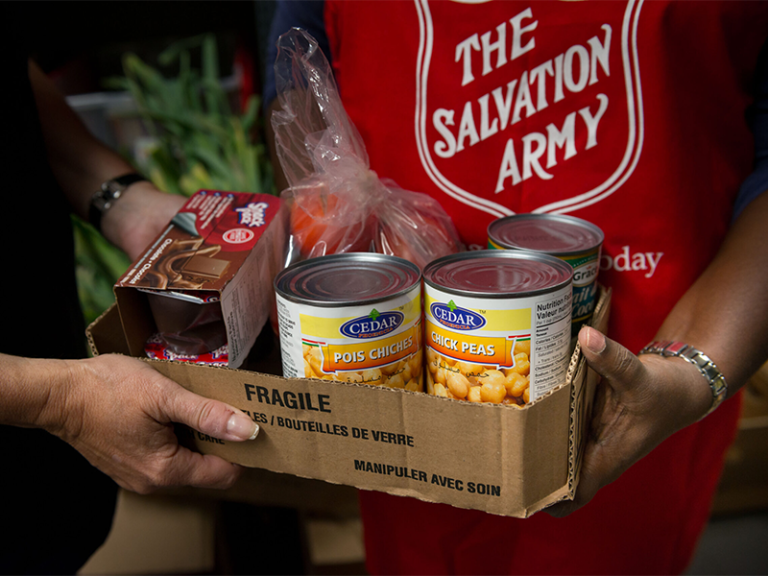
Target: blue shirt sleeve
x,y
757,118
306,14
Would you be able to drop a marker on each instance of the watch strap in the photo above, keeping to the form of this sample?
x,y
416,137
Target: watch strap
x,y
108,194
708,369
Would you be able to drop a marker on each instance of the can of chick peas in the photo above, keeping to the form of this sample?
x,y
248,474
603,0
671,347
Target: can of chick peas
x,y
497,325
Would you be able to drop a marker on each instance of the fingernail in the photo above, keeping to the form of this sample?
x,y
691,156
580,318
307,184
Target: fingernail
x,y
240,426
595,341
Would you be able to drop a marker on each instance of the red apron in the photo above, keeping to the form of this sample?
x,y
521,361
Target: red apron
x,y
627,114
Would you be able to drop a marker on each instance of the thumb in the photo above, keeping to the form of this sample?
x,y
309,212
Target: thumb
x,y
609,359
209,416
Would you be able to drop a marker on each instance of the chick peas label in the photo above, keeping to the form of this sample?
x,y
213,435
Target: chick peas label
x,y
478,349
504,351
377,344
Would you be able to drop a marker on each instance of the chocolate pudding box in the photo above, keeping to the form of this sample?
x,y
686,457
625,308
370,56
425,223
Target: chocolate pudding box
x,y
202,291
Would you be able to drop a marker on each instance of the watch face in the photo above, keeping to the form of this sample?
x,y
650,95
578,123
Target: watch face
x,y
112,189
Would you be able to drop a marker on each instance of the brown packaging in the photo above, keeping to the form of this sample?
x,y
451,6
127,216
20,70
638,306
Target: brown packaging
x,y
207,278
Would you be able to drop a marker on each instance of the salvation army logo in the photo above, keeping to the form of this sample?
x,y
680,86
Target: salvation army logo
x,y
517,106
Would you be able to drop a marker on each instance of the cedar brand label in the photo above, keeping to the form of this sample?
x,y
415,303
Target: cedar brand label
x,y
478,338
377,344
458,343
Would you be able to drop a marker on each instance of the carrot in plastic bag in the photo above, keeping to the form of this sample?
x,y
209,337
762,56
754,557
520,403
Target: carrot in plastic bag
x,y
336,202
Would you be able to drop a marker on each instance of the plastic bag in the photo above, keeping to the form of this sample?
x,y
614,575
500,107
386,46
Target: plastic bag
x,y
336,202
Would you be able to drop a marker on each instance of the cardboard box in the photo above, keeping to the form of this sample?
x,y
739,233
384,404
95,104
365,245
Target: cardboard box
x,y
494,458
206,280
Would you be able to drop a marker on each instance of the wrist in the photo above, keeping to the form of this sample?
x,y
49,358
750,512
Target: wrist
x,y
34,392
58,378
139,217
109,195
708,370
118,223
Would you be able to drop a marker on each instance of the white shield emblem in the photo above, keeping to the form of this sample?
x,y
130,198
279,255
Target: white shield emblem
x,y
546,105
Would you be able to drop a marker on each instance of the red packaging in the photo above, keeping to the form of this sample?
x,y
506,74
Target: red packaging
x,y
156,349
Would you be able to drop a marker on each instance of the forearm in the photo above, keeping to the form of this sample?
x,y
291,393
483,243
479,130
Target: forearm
x,y
29,389
81,164
725,313
79,161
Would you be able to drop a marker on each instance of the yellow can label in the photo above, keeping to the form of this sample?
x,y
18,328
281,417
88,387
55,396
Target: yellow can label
x,y
366,355
377,344
468,348
497,350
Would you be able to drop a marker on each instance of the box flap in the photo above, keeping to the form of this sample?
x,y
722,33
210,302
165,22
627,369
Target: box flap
x,y
585,382
105,334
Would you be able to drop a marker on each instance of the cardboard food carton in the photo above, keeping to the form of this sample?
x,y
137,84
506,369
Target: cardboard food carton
x,y
494,458
205,282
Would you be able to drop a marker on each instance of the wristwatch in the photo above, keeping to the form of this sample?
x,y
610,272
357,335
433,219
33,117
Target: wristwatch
x,y
708,369
109,192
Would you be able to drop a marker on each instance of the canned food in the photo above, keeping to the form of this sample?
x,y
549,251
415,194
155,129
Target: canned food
x,y
571,239
497,325
353,317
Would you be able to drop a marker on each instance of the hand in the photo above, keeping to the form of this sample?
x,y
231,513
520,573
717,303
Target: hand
x,y
118,412
639,402
139,216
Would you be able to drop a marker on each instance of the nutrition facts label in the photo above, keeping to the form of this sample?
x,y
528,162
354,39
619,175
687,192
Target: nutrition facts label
x,y
551,346
291,345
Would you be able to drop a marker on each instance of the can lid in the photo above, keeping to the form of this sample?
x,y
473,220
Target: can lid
x,y
498,273
347,279
550,233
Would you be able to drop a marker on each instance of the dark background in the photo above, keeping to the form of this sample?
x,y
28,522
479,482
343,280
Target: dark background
x,y
80,43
